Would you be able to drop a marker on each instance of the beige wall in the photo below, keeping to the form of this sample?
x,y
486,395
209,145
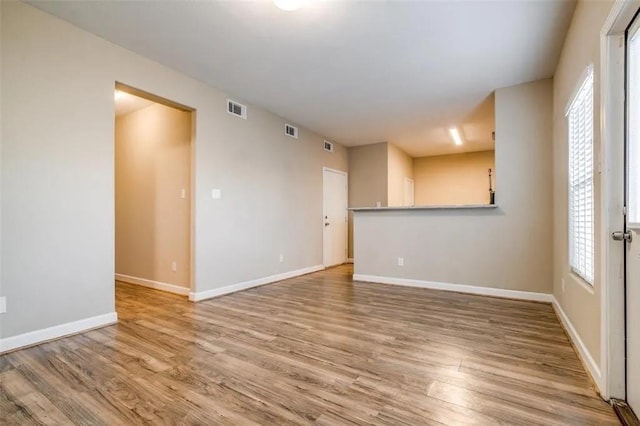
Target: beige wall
x,y
399,167
580,302
58,175
453,179
153,222
368,175
509,247
367,180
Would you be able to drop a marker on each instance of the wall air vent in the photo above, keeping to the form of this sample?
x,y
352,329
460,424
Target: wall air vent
x,y
290,130
328,146
236,109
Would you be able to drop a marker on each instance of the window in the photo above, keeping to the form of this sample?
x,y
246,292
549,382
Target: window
x,y
581,220
633,129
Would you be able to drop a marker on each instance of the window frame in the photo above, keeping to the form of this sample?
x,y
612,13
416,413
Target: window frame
x,y
576,100
632,172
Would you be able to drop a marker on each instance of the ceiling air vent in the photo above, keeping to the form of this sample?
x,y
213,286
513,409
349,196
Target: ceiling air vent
x,y
290,130
328,146
236,109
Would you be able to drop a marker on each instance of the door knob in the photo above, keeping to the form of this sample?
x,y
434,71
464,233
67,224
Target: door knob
x,y
622,236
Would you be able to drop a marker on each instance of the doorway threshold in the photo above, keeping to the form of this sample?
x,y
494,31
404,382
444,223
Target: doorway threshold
x,y
624,413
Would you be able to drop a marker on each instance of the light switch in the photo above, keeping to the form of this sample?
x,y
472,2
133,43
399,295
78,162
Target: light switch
x,y
183,193
216,194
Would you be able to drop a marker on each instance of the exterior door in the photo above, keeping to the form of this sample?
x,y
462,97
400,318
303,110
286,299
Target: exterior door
x,y
631,234
334,192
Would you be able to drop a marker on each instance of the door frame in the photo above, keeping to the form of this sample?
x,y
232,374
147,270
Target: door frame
x,y
611,382
413,192
346,194
134,90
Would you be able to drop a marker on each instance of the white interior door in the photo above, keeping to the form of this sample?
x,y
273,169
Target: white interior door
x,y
631,234
334,192
409,192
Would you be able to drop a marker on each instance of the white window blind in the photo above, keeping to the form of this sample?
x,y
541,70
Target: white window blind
x,y
581,220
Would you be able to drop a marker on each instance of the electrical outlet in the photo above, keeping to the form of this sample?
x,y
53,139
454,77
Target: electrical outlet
x,y
216,194
562,281
174,266
3,304
401,261
281,257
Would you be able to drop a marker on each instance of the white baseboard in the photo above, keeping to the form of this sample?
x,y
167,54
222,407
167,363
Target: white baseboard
x,y
208,294
40,336
460,288
585,356
349,259
171,288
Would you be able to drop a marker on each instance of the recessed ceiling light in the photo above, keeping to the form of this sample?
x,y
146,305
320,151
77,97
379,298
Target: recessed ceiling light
x,y
288,5
455,134
118,94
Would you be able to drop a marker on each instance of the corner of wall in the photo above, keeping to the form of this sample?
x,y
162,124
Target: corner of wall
x,y
578,304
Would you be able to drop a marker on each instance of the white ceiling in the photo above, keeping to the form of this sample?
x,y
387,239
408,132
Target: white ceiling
x,y
357,72
126,103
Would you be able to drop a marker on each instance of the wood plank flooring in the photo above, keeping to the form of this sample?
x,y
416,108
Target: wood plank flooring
x,y
318,349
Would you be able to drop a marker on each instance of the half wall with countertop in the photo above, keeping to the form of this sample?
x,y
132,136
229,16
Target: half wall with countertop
x,y
505,250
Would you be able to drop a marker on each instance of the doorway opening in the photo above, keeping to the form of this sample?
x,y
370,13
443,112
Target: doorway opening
x,y
409,192
153,192
335,204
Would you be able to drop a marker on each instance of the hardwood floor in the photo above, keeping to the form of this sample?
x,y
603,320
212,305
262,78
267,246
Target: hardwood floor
x,y
318,349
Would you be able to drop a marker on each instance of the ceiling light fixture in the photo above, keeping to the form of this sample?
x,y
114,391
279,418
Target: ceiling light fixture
x,y
455,134
288,5
118,94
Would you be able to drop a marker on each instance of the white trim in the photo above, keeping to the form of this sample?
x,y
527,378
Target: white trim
x,y
620,16
586,74
587,360
209,294
171,288
57,331
460,288
329,169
